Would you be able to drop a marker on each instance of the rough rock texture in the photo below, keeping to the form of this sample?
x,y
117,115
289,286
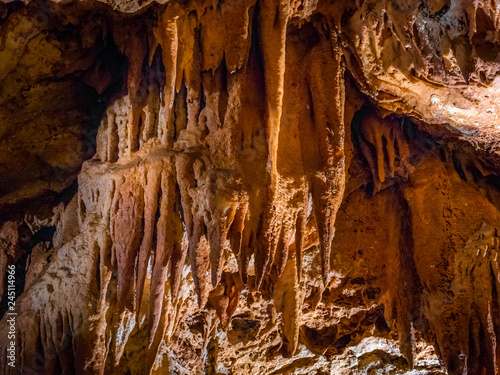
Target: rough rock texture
x,y
251,186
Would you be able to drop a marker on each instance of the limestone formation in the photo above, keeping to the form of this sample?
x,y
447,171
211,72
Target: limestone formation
x,y
250,186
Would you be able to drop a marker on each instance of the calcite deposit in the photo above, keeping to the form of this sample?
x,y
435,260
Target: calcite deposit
x,y
250,186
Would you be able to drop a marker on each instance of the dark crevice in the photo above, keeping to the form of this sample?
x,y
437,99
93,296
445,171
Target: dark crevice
x,y
45,235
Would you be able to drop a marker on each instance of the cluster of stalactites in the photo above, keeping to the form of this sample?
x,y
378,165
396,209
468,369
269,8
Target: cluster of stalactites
x,y
220,176
385,148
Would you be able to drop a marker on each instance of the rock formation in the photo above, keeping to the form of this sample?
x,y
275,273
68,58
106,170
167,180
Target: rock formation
x,y
250,186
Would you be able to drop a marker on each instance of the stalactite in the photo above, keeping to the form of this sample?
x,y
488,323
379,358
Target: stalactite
x,y
150,113
112,134
328,183
236,238
194,164
224,298
177,260
212,44
221,193
127,236
212,197
270,228
168,241
136,51
199,252
465,275
300,228
197,245
189,57
167,36
237,17
273,22
287,297
378,139
288,186
151,190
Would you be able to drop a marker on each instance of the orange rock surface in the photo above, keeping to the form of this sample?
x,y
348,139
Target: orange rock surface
x,y
251,186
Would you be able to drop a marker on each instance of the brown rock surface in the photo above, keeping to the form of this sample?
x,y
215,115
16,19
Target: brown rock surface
x,y
250,187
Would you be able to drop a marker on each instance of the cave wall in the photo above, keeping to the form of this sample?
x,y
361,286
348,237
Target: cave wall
x,y
236,187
